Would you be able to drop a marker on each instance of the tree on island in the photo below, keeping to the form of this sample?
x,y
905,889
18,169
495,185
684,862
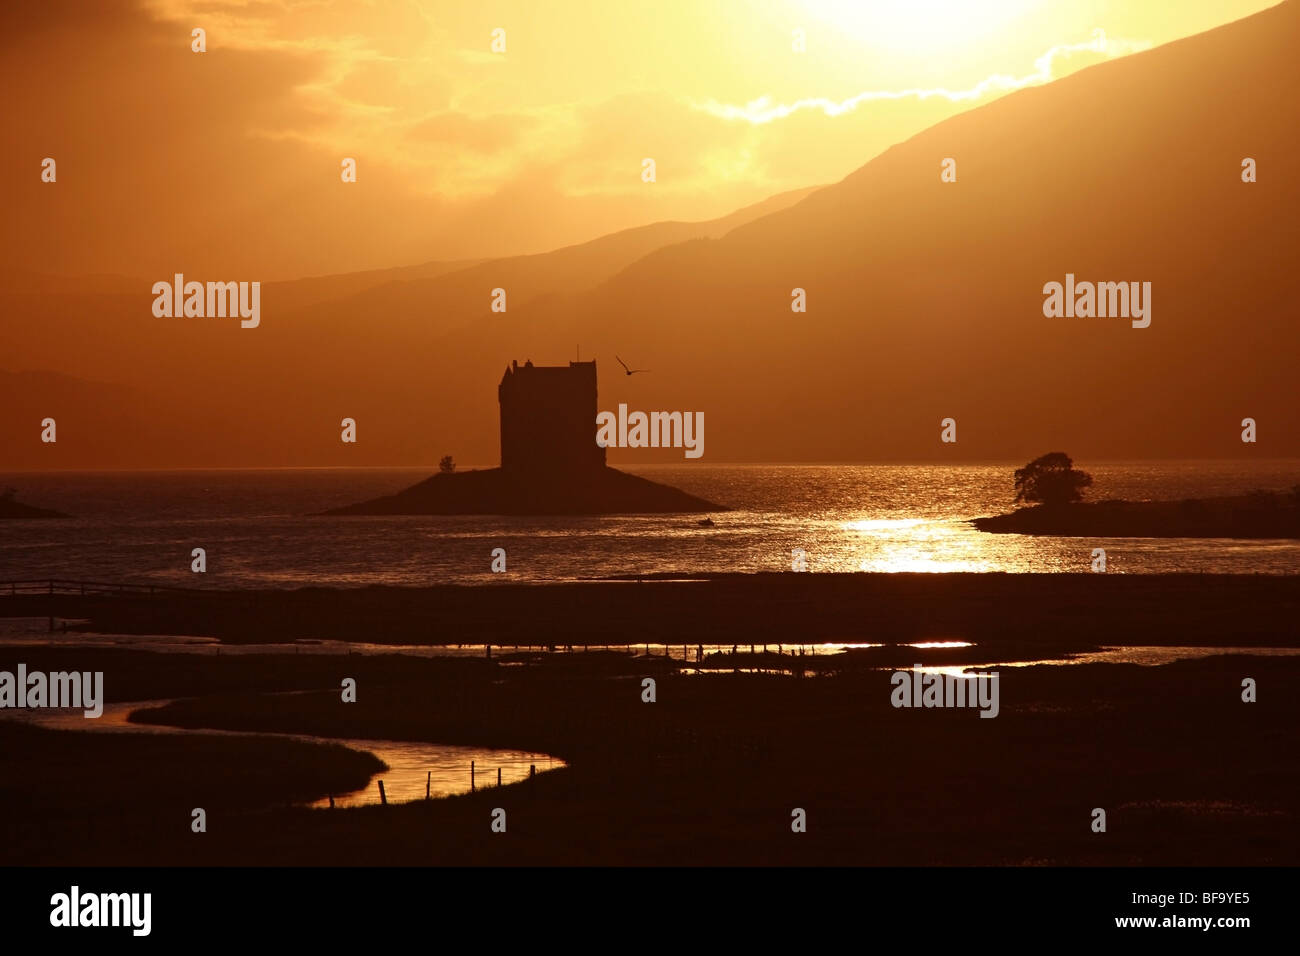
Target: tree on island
x,y
1051,479
447,465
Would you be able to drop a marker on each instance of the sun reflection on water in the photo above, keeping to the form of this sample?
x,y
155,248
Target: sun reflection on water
x,y
917,545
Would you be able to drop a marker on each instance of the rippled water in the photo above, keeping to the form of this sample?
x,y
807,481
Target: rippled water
x,y
414,768
257,529
1143,656
442,768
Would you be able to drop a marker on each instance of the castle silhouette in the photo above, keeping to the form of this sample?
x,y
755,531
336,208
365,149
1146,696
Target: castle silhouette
x,y
550,461
548,418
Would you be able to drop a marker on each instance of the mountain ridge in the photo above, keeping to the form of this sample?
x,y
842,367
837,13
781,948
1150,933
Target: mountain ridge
x,y
924,299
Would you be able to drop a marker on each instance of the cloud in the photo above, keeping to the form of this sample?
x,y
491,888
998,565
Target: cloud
x,y
229,161
763,110
481,134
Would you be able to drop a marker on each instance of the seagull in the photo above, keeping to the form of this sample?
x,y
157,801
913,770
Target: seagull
x,y
630,371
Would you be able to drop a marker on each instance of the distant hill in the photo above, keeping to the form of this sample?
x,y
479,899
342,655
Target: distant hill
x,y
924,301
203,392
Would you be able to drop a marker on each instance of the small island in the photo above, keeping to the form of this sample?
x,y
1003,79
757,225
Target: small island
x,y
550,461
500,491
10,507
1054,488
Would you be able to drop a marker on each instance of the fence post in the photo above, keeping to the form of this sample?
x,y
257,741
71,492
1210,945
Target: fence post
x,y
471,776
498,776
427,781
383,797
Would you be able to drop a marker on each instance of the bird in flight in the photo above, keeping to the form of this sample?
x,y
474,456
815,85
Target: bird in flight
x,y
630,371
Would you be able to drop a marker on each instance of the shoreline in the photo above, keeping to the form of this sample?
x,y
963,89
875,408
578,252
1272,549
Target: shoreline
x,y
704,776
707,773
1258,516
1070,610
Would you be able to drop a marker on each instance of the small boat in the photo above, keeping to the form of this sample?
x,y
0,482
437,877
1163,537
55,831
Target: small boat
x,y
705,523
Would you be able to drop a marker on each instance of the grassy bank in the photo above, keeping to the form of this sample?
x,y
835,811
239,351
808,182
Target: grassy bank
x,y
710,772
106,798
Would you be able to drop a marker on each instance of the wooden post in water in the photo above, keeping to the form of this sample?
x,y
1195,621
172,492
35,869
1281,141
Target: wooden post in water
x,y
331,801
383,797
471,776
498,776
532,771
427,781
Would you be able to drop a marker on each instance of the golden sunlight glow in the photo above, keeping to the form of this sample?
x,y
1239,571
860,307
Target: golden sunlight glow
x,y
469,152
919,26
916,545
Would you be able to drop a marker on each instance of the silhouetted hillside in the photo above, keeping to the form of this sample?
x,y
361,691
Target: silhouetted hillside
x,y
924,300
369,345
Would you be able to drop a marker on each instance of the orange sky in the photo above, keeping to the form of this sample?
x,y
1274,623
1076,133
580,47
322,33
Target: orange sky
x,y
227,162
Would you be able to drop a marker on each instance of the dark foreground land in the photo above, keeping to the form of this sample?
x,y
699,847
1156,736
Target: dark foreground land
x,y
1260,515
710,773
1013,614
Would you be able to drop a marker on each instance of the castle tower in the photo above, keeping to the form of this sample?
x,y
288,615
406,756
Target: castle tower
x,y
548,418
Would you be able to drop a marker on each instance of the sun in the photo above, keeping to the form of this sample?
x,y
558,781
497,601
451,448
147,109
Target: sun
x,y
917,26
